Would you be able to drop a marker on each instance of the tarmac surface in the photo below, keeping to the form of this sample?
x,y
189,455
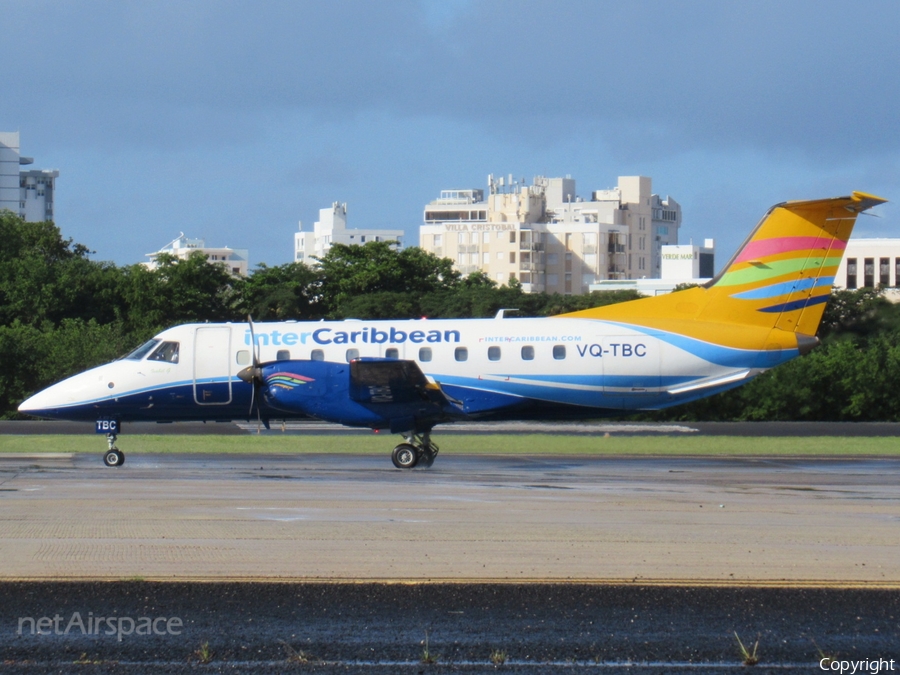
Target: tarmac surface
x,y
342,564
382,628
352,517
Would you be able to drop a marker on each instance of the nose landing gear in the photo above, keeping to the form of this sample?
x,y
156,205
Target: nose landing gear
x,y
113,456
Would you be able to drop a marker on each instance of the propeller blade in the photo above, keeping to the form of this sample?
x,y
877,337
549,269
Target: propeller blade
x,y
253,373
253,342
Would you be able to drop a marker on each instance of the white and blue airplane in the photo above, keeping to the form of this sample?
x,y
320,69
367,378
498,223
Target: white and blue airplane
x,y
408,376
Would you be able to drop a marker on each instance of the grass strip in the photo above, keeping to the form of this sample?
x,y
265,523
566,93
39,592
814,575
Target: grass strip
x,y
488,444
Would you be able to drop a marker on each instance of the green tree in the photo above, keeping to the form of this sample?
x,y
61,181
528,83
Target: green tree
x,y
476,296
857,312
281,293
381,305
44,277
377,267
179,291
562,304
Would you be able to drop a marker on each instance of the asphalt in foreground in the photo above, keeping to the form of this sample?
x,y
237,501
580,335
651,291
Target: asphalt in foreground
x,y
382,628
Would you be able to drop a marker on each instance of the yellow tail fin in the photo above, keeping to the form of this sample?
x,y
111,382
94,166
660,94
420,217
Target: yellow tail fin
x,y
779,279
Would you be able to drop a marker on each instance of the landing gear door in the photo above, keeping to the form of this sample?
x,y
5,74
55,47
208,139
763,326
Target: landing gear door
x,y
212,365
631,370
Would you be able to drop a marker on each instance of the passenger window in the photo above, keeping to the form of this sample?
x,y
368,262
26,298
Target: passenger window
x,y
425,354
283,355
528,353
461,354
392,353
167,351
494,353
317,355
559,352
352,355
243,358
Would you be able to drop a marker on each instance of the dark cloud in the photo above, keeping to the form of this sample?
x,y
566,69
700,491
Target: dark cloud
x,y
765,74
386,103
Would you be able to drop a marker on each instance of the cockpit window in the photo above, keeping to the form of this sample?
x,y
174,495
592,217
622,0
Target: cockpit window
x,y
167,351
142,351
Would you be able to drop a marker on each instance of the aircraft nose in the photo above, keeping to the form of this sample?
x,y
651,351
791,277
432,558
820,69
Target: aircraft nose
x,y
69,398
45,403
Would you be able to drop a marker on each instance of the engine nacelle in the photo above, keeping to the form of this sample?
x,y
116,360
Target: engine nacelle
x,y
375,393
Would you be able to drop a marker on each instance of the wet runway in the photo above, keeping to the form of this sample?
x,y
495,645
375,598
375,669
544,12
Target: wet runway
x,y
351,517
343,564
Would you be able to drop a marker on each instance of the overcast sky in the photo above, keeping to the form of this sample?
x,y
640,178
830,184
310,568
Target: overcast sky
x,y
232,121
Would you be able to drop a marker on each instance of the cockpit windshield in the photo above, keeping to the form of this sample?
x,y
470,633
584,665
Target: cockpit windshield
x,y
142,351
167,351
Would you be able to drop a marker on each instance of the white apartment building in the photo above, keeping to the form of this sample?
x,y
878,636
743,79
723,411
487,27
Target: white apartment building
x,y
26,193
330,229
689,262
37,188
548,237
235,260
869,263
9,171
680,264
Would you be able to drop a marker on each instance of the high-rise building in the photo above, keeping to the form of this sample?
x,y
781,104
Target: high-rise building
x,y
331,228
28,193
9,171
548,237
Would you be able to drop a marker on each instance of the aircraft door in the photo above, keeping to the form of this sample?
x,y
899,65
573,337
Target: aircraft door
x,y
212,365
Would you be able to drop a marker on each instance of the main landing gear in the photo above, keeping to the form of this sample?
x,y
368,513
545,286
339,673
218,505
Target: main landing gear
x,y
418,450
113,456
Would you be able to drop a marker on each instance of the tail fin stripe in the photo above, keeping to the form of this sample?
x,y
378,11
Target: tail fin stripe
x,y
765,271
796,304
765,247
783,288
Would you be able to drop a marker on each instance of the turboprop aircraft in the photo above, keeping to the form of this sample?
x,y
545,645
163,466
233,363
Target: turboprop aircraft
x,y
762,309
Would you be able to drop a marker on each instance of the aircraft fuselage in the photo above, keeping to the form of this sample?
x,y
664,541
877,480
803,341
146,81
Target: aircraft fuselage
x,y
491,366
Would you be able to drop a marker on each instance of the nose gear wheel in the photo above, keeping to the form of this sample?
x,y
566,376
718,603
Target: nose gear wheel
x,y
113,456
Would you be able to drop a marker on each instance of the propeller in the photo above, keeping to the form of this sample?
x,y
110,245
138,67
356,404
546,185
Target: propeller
x,y
252,374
